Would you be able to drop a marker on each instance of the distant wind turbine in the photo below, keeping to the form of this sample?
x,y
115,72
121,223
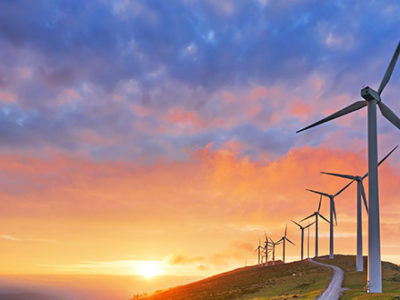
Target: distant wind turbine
x,y
283,240
360,193
372,98
332,212
302,234
308,241
316,215
258,249
266,248
274,244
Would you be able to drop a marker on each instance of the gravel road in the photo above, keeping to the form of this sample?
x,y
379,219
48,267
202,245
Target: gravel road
x,y
335,286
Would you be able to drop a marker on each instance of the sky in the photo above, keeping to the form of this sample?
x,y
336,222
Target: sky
x,y
136,134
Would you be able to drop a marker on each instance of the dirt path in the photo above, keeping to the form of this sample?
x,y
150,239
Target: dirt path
x,y
335,286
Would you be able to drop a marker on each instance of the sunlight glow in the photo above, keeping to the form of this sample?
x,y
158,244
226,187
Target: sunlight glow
x,y
149,269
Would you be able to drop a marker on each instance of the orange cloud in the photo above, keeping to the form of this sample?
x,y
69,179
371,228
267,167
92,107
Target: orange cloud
x,y
115,210
184,260
6,96
300,108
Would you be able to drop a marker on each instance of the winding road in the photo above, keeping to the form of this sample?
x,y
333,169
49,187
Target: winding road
x,y
335,286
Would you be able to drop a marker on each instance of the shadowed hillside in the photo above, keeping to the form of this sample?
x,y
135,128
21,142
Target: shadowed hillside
x,y
301,279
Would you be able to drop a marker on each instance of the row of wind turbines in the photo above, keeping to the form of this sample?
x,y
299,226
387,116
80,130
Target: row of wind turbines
x,y
372,98
269,244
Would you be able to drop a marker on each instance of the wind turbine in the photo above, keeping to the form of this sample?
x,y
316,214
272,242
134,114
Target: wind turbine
x,y
332,211
283,240
266,249
360,193
273,249
308,241
258,249
316,215
372,98
302,234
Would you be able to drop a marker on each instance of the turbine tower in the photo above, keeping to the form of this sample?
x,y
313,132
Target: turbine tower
x,y
266,249
332,212
274,244
302,235
258,249
283,240
372,98
316,215
360,193
308,241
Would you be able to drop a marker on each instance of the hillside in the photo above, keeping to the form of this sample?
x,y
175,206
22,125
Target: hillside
x,y
300,279
355,281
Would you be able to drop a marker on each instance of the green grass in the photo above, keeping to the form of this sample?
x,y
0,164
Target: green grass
x,y
278,282
255,283
356,281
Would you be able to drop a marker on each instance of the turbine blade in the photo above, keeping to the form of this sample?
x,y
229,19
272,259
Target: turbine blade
x,y
334,212
388,114
352,107
309,225
389,70
387,155
290,242
382,160
296,223
323,217
345,187
285,230
363,196
319,205
319,193
312,215
340,175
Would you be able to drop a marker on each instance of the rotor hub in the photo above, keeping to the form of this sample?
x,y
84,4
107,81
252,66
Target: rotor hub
x,y
369,94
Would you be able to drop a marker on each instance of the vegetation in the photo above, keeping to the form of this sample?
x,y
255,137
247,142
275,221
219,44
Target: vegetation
x,y
355,282
301,280
293,280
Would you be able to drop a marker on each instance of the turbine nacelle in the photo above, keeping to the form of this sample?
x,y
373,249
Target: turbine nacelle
x,y
370,94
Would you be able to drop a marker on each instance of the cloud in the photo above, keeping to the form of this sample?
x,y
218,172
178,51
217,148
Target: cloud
x,y
184,260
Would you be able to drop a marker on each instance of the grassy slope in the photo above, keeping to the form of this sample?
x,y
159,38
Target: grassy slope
x,y
355,281
277,282
256,283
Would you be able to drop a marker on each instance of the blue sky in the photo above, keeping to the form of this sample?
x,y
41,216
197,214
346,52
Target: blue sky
x,y
147,79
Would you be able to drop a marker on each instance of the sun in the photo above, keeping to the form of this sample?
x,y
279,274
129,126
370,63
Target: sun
x,y
149,269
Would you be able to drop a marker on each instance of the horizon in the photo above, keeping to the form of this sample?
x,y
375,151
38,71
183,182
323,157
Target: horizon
x,y
151,139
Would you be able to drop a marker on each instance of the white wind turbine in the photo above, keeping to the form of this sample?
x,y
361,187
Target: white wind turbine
x,y
283,240
372,98
302,235
316,215
332,212
360,193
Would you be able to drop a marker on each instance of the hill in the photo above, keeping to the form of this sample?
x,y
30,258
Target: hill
x,y
299,279
355,282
